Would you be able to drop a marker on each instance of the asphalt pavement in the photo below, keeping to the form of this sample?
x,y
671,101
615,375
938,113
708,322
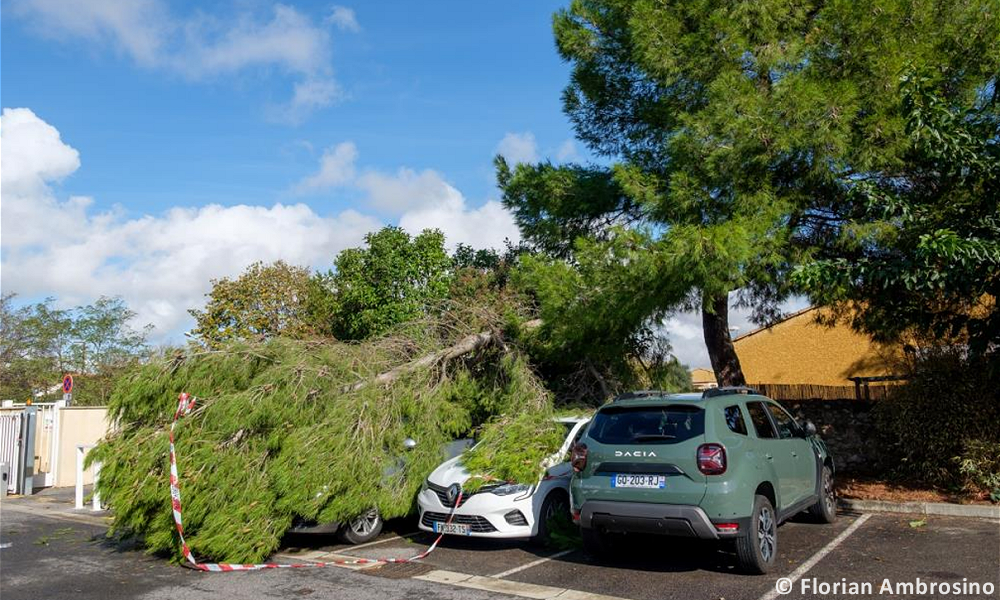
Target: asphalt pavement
x,y
59,553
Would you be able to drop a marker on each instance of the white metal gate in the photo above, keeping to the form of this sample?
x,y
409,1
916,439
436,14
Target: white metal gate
x,y
11,429
46,445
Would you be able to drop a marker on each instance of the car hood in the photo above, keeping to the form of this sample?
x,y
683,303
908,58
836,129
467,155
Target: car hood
x,y
449,472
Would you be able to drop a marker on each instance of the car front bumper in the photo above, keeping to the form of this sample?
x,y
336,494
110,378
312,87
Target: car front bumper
x,y
679,520
484,513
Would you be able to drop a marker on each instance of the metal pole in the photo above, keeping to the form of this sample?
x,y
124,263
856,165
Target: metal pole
x,y
79,477
28,451
97,497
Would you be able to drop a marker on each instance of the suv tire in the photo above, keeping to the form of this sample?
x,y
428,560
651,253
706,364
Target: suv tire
x,y
825,509
555,504
595,542
361,529
757,549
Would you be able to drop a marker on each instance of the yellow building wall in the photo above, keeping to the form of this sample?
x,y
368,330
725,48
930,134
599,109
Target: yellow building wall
x,y
702,378
801,351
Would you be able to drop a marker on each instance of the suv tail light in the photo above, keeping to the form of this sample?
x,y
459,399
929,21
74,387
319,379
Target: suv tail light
x,y
712,459
579,457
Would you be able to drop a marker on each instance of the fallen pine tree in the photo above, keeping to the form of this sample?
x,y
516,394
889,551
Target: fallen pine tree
x,y
313,430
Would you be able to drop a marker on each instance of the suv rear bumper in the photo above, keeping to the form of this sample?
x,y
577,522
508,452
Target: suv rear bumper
x,y
679,520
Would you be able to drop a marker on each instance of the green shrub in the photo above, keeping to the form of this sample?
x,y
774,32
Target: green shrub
x,y
979,466
945,413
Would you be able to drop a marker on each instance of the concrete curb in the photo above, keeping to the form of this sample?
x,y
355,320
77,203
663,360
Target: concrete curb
x,y
922,508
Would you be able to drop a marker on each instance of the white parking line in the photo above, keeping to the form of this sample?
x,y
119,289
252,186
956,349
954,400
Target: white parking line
x,y
384,540
533,563
815,558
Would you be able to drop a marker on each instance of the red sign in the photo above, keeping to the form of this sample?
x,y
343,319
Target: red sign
x,y
67,384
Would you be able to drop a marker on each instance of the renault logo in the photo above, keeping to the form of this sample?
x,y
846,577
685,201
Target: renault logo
x,y
452,493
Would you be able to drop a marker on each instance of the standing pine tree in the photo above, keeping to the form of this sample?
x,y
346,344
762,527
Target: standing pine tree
x,y
737,131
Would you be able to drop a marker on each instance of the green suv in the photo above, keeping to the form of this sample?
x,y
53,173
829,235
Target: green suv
x,y
728,465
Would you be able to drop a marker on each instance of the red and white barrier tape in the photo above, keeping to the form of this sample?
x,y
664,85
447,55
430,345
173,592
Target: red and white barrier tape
x,y
184,405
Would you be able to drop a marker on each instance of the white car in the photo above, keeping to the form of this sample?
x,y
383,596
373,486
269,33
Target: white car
x,y
500,510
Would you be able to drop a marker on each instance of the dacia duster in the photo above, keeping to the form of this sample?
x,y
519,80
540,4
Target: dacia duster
x,y
728,465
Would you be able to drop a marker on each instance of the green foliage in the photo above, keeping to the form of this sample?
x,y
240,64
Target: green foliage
x,y
918,250
740,130
275,437
264,301
600,335
979,466
512,448
949,407
39,343
395,279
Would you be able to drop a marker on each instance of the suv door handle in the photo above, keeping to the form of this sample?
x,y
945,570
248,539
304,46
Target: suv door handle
x,y
795,454
768,457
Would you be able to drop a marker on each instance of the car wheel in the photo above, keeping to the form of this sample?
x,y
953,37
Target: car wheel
x,y
757,549
595,542
825,509
363,528
555,504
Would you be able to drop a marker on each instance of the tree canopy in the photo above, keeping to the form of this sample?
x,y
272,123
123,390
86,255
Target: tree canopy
x,y
918,250
392,280
40,342
264,301
737,130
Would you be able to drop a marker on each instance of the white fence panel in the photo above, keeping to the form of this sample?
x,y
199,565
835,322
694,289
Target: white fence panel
x,y
10,448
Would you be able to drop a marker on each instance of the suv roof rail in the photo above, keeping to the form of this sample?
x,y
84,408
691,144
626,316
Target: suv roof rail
x,y
725,391
639,394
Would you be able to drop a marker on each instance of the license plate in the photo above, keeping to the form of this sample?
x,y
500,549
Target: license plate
x,y
451,528
639,481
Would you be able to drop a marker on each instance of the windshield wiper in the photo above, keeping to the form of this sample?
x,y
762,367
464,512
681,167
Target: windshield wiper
x,y
653,436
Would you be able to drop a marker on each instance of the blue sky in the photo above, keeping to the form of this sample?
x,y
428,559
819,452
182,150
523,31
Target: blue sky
x,y
151,146
429,85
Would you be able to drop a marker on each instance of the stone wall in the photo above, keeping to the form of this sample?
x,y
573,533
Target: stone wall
x,y
847,427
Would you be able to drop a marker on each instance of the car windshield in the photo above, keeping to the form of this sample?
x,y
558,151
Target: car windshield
x,y
648,424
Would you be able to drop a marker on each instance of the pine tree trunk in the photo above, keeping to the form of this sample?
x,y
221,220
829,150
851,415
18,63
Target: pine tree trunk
x,y
722,353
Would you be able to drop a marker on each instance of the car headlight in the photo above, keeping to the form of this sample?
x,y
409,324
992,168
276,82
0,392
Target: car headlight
x,y
510,488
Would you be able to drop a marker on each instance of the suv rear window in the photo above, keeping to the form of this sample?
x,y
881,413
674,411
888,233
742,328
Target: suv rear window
x,y
734,420
648,424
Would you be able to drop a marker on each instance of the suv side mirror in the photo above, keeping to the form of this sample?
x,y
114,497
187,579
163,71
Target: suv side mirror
x,y
810,428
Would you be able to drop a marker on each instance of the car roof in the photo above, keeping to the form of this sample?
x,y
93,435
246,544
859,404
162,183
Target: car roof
x,y
571,419
652,398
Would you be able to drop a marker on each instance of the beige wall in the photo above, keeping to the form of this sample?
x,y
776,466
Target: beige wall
x,y
78,425
798,350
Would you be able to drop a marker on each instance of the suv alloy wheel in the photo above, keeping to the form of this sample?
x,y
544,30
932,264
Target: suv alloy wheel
x,y
757,548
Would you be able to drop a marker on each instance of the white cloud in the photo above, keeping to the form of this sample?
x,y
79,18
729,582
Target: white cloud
x,y
161,264
392,193
484,227
344,19
406,190
140,28
33,153
200,45
567,152
289,39
336,168
421,199
518,148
